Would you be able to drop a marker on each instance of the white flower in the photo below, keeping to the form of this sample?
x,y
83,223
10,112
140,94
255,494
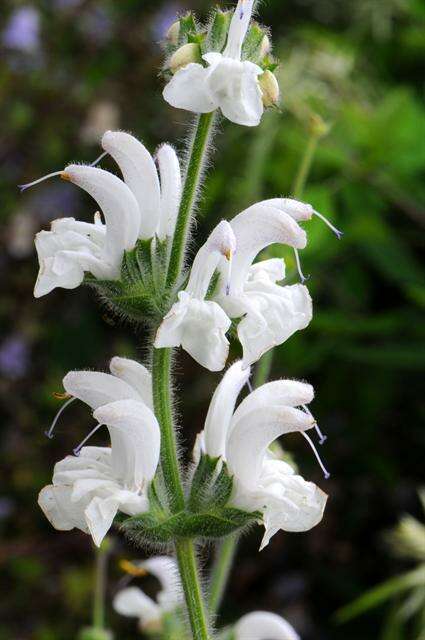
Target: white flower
x,y
227,82
89,489
134,603
242,438
196,324
262,625
139,206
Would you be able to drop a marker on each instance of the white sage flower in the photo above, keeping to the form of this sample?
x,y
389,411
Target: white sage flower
x,y
142,205
262,625
243,437
196,324
226,82
132,602
90,487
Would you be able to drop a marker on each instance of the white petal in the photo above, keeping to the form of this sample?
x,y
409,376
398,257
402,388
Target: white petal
x,y
118,204
199,327
221,409
61,512
133,603
96,388
261,625
135,437
280,312
289,393
100,515
273,269
235,88
251,435
140,175
299,211
255,229
136,375
187,90
96,232
171,188
238,29
221,244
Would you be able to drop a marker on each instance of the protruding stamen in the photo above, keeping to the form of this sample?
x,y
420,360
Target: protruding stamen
x,y
336,231
316,453
49,432
229,258
298,263
23,187
322,437
102,155
249,384
77,450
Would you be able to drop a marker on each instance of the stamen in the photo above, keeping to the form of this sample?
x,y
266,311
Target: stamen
x,y
23,187
322,437
322,466
77,450
298,263
249,384
336,231
102,155
49,432
228,254
132,569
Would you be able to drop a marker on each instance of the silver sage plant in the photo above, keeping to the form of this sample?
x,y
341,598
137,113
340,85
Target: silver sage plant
x,y
134,255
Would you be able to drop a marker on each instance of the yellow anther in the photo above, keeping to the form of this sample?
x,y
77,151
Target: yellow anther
x,y
132,569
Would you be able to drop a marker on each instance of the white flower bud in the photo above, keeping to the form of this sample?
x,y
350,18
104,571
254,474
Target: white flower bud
x,y
270,88
188,53
173,33
266,46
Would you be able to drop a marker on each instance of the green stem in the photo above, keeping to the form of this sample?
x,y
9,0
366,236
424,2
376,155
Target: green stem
x,y
196,162
186,559
100,585
161,375
265,365
221,571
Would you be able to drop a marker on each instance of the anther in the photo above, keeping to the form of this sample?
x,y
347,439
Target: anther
x,y
336,231
102,155
298,263
49,432
322,466
23,187
77,450
132,569
322,437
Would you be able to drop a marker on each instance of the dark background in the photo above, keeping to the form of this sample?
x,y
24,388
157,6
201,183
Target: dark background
x,y
69,70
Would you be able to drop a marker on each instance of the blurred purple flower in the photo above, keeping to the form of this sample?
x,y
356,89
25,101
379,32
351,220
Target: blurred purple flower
x,y
66,4
6,507
164,19
14,357
96,25
22,32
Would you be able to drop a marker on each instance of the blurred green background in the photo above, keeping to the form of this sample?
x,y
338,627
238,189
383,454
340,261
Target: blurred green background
x,y
71,69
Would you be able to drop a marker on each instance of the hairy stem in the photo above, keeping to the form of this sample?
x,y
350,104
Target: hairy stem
x,y
221,571
194,600
198,152
264,367
161,383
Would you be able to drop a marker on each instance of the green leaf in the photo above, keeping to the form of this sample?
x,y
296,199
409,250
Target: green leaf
x,y
187,28
380,594
211,488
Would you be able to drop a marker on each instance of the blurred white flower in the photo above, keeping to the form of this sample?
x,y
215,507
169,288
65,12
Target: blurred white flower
x,y
102,116
134,603
90,487
140,206
262,625
243,437
227,82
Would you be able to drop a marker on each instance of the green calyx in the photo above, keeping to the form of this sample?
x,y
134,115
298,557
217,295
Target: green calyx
x,y
140,294
206,514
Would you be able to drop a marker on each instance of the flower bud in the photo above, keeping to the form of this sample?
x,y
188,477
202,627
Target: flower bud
x,y
270,88
188,53
318,127
266,46
173,33
91,633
